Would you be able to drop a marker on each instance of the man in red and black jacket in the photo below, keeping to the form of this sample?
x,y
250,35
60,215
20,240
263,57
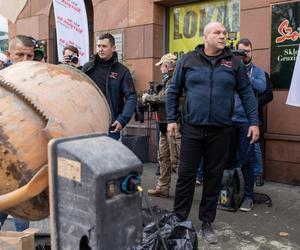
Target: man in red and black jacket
x,y
209,76
115,82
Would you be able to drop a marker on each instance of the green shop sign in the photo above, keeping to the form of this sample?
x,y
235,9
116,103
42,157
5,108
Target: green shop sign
x,y
284,43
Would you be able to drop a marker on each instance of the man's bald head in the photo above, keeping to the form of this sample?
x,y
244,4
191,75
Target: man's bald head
x,y
21,48
215,38
211,26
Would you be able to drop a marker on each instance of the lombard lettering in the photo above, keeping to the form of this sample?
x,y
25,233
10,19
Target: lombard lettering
x,y
177,34
192,23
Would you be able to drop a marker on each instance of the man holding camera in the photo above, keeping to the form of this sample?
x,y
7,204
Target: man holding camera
x,y
71,56
246,149
115,82
167,146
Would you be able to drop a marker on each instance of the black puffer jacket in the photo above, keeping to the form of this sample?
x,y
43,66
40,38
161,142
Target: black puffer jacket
x,y
120,91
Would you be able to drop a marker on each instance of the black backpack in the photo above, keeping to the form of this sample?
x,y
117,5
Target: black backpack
x,y
232,190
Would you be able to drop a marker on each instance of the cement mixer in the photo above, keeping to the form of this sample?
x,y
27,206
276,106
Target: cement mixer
x,y
38,102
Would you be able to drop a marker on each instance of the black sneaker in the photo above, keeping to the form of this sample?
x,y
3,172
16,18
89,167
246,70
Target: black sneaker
x,y
247,205
157,172
208,233
259,181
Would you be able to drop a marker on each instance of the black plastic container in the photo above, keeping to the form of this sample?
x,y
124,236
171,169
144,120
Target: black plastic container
x,y
138,144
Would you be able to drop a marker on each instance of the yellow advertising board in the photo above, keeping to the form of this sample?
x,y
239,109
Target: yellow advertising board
x,y
187,22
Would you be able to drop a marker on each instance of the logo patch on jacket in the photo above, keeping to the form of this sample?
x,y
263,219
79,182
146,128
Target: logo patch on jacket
x,y
114,75
226,63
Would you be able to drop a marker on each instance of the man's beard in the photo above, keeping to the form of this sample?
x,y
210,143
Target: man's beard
x,y
247,61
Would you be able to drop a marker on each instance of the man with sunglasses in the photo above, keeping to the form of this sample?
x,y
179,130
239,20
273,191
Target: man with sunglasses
x,y
115,82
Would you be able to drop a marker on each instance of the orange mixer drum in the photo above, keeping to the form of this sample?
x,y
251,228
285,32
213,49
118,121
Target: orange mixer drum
x,y
38,102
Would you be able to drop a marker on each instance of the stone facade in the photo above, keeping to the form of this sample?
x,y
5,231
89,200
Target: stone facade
x,y
142,25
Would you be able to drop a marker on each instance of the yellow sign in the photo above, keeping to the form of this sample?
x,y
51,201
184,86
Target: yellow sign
x,y
187,23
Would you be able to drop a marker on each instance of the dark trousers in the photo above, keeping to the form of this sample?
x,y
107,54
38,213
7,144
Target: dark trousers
x,y
214,145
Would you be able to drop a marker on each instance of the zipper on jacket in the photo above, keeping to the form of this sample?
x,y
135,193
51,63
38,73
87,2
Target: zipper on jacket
x,y
210,91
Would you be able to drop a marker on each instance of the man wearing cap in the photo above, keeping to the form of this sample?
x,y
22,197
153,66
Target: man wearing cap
x,y
168,147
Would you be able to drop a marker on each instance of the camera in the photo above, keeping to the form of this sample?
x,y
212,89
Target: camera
x,y
139,112
151,90
141,107
72,59
239,52
232,36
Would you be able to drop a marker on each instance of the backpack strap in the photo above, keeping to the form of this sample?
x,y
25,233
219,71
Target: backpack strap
x,y
238,188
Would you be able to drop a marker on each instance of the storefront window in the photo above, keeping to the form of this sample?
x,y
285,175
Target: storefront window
x,y
187,22
284,43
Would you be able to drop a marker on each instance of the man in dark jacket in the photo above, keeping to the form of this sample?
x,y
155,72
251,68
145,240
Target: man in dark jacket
x,y
209,76
115,82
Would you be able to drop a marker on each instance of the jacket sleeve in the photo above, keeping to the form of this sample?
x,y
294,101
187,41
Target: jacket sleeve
x,y
130,101
246,94
174,92
267,95
258,80
158,99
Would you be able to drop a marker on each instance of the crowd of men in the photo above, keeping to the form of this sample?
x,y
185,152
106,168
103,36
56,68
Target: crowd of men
x,y
207,111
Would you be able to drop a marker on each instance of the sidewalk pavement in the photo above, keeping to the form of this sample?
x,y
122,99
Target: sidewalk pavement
x,y
259,229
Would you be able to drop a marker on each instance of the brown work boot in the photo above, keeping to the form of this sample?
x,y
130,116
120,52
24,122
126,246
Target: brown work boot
x,y
158,193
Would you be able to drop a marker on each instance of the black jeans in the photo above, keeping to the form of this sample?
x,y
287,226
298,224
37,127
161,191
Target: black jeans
x,y
214,144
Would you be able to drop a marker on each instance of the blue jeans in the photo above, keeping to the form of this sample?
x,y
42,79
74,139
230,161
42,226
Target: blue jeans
x,y
246,157
200,173
20,224
258,170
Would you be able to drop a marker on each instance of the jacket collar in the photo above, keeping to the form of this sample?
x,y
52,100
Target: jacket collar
x,y
225,53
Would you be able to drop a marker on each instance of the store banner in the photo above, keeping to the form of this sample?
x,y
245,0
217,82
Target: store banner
x,y
72,27
294,92
12,8
187,22
285,40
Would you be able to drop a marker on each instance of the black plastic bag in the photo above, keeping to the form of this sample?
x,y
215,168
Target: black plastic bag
x,y
176,234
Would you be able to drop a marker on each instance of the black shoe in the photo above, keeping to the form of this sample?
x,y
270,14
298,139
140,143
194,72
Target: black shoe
x,y
208,233
259,181
157,170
